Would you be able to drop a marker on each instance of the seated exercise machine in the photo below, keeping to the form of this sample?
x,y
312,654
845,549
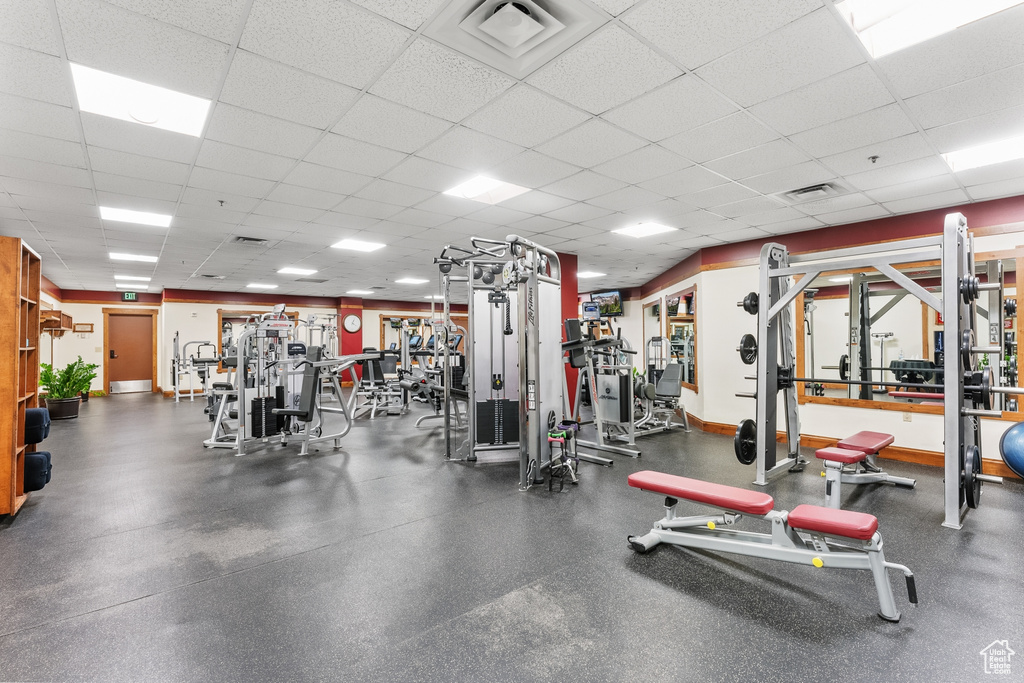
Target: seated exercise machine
x,y
184,364
660,392
853,461
811,535
379,389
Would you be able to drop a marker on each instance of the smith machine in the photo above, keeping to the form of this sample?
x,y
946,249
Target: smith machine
x,y
967,389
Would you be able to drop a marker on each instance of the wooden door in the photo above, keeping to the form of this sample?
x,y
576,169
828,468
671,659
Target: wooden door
x,y
129,353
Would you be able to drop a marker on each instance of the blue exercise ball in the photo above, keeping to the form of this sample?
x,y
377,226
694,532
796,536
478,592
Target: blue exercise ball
x,y
1011,447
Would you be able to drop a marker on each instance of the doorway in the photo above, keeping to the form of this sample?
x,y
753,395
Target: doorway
x,y
129,350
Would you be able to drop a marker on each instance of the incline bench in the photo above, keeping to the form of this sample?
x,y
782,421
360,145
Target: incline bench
x,y
844,461
859,545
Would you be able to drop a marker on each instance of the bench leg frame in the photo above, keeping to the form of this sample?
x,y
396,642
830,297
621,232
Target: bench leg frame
x,y
836,474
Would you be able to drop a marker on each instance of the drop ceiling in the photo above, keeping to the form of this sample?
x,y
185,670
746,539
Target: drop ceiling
x,y
336,119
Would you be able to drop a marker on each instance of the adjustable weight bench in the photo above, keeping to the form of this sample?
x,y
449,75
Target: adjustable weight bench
x,y
852,461
809,534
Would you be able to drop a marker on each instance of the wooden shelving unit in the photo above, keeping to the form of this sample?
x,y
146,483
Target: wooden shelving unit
x,y
20,275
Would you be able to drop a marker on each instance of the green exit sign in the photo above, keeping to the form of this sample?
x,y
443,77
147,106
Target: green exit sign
x,y
128,296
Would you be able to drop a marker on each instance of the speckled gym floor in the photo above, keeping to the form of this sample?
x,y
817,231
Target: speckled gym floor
x,y
149,558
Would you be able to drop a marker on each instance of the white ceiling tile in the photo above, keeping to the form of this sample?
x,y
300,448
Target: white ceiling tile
x,y
696,33
424,219
915,188
56,206
584,185
103,131
716,196
27,24
627,198
136,186
862,213
614,7
449,206
409,13
744,207
578,212
1001,188
758,160
39,148
532,169
498,215
590,144
976,97
576,232
35,188
898,173
99,35
790,178
807,50
215,20
668,211
727,135
682,104
146,168
40,118
434,79
581,75
246,128
34,75
895,151
275,89
326,179
837,97
208,203
136,202
981,47
999,125
385,123
304,196
643,164
686,181
230,183
344,220
793,225
540,224
353,155
857,131
852,200
250,162
772,217
526,117
993,172
370,209
330,39
469,149
536,202
394,193
931,201
427,174
741,235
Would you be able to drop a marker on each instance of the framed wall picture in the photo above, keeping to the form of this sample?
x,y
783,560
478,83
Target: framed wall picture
x,y
81,327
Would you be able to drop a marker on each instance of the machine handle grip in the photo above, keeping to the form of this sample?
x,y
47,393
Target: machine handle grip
x,y
911,589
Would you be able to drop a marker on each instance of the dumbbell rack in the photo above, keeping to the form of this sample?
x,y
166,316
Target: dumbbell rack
x,y
776,356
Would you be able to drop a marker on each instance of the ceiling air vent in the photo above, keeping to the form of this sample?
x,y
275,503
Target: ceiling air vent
x,y
311,279
212,277
812,193
517,37
249,241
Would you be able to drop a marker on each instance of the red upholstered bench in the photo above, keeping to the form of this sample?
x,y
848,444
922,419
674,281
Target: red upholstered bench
x,y
866,442
833,522
852,461
717,495
916,394
843,455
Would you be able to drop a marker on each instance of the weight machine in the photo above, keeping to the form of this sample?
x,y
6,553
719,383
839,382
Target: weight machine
x,y
513,350
188,365
966,392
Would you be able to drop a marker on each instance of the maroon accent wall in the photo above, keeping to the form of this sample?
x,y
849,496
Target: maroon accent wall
x,y
89,296
248,298
50,288
570,305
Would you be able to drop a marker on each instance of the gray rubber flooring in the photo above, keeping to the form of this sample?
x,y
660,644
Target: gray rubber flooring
x,y
149,558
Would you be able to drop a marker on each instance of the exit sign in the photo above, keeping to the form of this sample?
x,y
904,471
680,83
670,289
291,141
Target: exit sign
x,y
128,296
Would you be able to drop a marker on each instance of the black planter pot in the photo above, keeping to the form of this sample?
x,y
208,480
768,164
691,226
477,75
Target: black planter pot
x,y
63,408
84,395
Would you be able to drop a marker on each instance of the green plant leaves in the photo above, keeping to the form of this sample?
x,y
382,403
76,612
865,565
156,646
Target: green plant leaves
x,y
69,382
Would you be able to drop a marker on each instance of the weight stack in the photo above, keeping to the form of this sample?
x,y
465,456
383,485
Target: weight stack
x,y
497,421
280,420
264,422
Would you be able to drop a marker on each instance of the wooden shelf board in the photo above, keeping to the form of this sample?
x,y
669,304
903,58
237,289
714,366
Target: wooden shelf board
x,y
19,450
26,348
31,301
18,502
26,396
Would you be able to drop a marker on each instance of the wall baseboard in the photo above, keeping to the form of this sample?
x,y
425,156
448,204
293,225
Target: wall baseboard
x,y
900,453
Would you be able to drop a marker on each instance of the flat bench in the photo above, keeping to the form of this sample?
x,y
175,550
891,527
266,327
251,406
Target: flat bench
x,y
853,461
801,536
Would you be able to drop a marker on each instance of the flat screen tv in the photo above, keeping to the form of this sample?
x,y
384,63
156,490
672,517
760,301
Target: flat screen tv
x,y
672,306
610,303
396,323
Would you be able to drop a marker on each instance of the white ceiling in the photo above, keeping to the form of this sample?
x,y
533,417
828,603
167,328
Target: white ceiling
x,y
335,119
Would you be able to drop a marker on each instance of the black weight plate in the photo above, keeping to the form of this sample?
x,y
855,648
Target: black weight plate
x,y
972,468
844,367
966,357
750,303
748,349
745,442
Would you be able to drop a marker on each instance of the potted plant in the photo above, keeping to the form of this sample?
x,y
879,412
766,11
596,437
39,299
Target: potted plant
x,y
64,386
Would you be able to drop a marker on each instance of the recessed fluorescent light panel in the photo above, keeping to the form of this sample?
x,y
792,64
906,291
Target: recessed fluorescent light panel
x,y
141,217
886,26
412,281
358,245
585,274
435,297
486,190
134,288
135,278
133,257
844,278
296,271
122,98
360,291
259,285
643,230
986,155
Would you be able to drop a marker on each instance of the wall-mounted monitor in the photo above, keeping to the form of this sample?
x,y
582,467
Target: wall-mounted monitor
x,y
396,323
591,310
672,307
414,322
610,303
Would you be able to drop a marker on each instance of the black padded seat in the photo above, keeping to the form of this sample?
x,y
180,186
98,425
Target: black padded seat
x,y
307,397
669,385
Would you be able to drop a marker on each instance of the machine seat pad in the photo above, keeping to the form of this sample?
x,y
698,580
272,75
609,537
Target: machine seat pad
x,y
718,495
223,385
845,523
866,442
916,394
844,455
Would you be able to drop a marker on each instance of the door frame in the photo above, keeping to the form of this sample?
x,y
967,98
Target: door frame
x,y
107,312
